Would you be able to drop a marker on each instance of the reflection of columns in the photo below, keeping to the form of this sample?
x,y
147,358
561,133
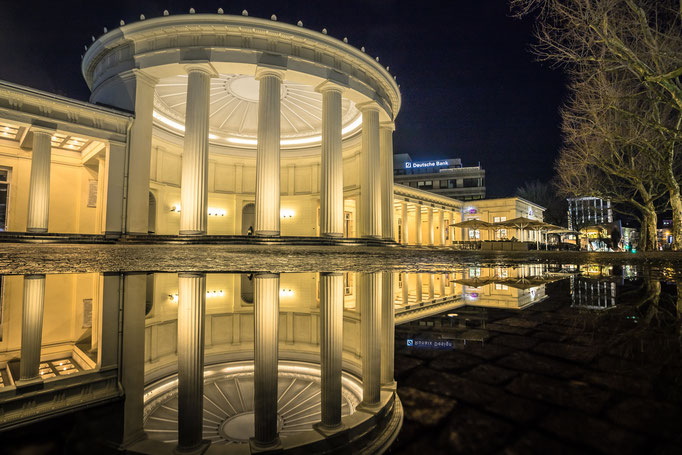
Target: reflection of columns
x,y
406,288
431,285
132,356
429,223
266,318
331,346
387,210
419,290
331,173
418,224
191,310
405,219
194,184
387,328
370,339
267,155
139,163
442,285
32,326
39,188
370,169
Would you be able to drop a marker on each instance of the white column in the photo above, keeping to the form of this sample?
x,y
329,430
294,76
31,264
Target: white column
x,y
419,288
266,319
331,173
443,227
418,224
432,285
370,177
267,156
194,183
370,336
112,187
387,329
406,288
139,161
39,188
108,321
429,219
191,311
331,346
132,356
386,153
404,215
32,326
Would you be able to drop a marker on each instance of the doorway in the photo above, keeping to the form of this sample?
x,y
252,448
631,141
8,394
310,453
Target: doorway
x,y
248,218
152,214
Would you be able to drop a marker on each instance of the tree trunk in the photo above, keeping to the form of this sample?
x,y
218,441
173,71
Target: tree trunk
x,y
676,205
648,237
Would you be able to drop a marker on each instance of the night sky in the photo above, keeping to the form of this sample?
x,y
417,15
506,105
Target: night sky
x,y
471,88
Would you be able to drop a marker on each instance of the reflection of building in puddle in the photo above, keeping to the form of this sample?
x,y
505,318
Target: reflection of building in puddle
x,y
504,287
278,349
595,287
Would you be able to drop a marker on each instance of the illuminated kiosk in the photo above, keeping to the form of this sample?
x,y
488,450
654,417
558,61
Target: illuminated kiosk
x,y
248,125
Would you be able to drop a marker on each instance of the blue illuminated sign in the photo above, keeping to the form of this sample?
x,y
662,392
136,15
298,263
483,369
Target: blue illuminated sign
x,y
420,164
429,344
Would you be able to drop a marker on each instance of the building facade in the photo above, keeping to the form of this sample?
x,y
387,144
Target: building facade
x,y
588,211
446,177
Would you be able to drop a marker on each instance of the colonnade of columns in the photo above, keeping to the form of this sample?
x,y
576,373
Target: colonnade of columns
x,y
417,217
377,332
410,280
376,217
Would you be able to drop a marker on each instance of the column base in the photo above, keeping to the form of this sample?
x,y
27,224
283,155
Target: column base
x,y
330,431
371,236
336,235
36,230
199,450
274,447
192,232
26,385
267,233
371,408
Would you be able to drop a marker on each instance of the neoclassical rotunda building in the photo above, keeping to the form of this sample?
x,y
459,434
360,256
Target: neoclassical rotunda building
x,y
246,125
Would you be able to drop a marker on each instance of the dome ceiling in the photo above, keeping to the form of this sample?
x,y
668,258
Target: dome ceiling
x,y
234,108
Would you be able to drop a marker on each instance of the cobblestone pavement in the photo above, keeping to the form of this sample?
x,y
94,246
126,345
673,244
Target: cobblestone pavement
x,y
549,379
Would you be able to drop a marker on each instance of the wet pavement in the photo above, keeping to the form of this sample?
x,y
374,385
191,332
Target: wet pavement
x,y
552,378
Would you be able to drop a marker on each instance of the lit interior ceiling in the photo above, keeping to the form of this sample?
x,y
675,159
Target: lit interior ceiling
x,y
9,131
234,110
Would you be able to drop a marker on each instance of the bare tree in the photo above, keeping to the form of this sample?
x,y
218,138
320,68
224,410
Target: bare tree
x,y
633,50
545,195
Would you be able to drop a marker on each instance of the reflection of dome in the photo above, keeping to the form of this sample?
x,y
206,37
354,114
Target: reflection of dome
x,y
234,107
228,402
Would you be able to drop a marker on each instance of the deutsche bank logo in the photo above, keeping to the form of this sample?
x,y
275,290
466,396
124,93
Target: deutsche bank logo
x,y
408,165
410,342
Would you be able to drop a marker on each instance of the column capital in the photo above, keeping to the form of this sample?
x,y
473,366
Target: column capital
x,y
40,129
191,274
202,67
387,126
328,85
139,76
264,71
368,106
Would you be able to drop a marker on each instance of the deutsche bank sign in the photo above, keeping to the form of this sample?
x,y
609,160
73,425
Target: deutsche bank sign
x,y
420,164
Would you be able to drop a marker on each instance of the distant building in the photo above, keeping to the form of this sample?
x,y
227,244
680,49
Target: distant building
x,y
446,177
588,211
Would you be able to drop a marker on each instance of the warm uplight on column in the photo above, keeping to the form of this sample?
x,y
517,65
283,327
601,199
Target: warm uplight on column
x,y
194,183
331,173
370,177
267,152
39,186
